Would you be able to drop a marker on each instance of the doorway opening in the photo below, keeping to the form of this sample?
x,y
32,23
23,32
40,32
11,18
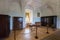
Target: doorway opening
x,y
28,17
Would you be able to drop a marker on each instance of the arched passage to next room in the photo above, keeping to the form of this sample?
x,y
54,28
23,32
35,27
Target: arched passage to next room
x,y
28,16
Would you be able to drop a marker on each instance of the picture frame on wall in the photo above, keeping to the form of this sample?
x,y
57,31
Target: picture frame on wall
x,y
38,14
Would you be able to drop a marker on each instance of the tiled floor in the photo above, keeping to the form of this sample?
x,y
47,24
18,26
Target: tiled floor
x,y
28,34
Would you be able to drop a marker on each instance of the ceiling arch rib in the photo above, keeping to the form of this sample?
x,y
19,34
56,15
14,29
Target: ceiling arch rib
x,y
32,3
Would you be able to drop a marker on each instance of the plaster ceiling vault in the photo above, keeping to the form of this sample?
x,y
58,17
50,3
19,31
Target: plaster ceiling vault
x,y
34,4
31,4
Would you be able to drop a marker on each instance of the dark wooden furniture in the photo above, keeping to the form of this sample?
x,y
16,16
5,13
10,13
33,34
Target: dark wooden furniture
x,y
4,25
50,20
38,24
17,23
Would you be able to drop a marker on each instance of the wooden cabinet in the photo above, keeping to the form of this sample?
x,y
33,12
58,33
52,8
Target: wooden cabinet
x,y
50,20
17,23
4,26
43,21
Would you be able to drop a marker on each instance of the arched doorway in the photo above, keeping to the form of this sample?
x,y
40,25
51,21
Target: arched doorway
x,y
28,16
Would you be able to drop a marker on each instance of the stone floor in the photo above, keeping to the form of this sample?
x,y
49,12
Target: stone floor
x,y
28,34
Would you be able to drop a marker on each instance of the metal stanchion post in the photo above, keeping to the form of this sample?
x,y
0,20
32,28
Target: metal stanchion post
x,y
47,30
14,34
36,33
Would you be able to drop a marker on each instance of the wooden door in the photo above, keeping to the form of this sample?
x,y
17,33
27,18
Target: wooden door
x,y
4,26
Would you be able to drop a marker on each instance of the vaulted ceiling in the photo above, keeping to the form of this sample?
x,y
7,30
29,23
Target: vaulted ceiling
x,y
30,3
33,3
38,3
